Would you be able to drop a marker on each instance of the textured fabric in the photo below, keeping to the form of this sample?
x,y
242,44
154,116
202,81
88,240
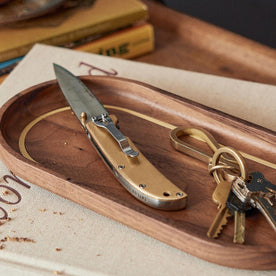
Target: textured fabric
x,y
61,236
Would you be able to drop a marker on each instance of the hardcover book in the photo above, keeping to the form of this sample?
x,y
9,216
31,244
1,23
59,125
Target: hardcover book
x,y
127,43
95,19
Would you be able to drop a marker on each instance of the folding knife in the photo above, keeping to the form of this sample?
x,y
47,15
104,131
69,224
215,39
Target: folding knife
x,y
121,156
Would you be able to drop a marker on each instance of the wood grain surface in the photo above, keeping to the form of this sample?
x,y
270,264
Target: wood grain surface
x,y
188,43
68,165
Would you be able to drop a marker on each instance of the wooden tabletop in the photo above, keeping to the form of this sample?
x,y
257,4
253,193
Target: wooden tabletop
x,y
187,43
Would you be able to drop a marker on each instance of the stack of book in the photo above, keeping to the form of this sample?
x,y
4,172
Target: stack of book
x,y
114,28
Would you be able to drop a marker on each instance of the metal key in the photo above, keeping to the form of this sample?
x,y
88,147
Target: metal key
x,y
238,209
223,194
220,196
258,193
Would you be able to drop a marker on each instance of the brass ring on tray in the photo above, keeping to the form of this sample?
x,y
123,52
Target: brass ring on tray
x,y
218,174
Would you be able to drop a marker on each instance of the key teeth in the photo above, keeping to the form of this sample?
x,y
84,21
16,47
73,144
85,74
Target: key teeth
x,y
223,225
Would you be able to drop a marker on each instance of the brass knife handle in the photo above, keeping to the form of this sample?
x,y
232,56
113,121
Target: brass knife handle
x,y
136,174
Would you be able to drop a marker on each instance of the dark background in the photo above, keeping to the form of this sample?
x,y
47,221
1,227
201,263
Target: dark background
x,y
254,19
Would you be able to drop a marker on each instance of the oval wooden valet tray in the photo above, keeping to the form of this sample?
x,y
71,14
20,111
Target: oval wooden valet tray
x,y
43,142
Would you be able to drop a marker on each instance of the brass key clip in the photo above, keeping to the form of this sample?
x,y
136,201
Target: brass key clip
x,y
220,163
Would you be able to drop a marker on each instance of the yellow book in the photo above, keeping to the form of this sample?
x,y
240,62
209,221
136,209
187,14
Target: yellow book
x,y
128,43
101,17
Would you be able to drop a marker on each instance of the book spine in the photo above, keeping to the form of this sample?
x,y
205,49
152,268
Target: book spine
x,y
128,43
7,66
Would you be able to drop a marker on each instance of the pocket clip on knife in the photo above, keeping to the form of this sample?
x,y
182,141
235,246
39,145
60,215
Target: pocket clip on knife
x,y
128,165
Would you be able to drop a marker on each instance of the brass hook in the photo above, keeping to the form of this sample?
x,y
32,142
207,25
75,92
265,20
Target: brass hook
x,y
193,151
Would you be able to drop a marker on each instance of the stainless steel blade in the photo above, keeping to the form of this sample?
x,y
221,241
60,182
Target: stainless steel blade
x,y
82,101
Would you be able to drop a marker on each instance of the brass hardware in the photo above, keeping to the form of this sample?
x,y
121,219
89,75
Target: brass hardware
x,y
137,175
237,156
201,135
227,165
192,150
83,118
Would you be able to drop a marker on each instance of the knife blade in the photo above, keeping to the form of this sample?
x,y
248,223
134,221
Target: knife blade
x,y
126,162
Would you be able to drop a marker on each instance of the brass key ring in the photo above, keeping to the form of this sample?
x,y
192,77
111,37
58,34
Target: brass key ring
x,y
237,156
